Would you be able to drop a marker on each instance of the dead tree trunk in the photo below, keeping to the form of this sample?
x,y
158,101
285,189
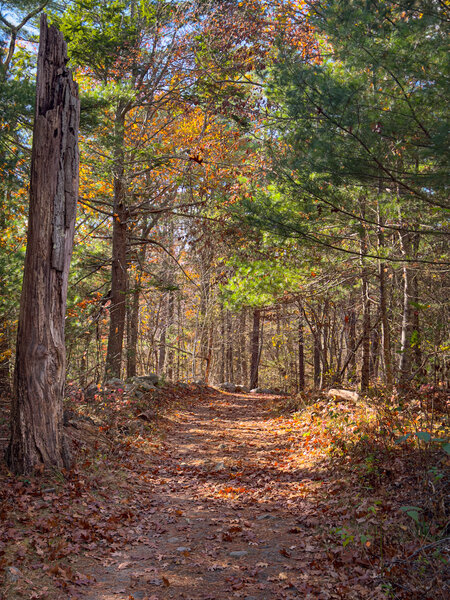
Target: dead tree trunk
x,y
36,425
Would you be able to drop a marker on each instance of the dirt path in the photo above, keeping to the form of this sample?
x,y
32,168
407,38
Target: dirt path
x,y
226,511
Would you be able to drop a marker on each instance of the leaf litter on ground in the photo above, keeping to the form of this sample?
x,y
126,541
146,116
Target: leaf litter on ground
x,y
304,504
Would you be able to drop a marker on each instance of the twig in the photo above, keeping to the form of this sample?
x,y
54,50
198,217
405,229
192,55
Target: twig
x,y
426,547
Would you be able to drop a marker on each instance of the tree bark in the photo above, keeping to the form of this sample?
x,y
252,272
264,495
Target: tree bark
x,y
406,331
416,327
325,334
133,328
385,333
222,374
4,356
119,279
301,352
317,362
365,365
243,354
255,349
36,425
351,373
417,340
229,355
170,358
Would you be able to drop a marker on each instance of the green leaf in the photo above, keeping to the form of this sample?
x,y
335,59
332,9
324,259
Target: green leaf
x,y
424,436
412,511
414,515
446,448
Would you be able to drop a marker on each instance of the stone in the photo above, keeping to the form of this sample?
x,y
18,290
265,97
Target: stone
x,y
13,574
147,386
343,395
151,377
227,387
183,549
238,553
115,382
220,466
242,389
260,390
73,419
173,540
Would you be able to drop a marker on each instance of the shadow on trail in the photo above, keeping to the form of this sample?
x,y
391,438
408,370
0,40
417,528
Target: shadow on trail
x,y
226,516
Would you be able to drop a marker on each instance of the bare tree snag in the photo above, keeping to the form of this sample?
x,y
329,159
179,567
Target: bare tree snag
x,y
36,424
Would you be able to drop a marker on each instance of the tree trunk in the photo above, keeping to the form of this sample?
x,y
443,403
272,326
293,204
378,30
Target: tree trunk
x,y
162,352
133,328
119,254
255,349
36,424
209,355
405,338
4,356
351,373
365,365
385,334
317,361
374,353
230,369
325,332
222,375
170,357
243,346
416,342
239,359
416,327
301,352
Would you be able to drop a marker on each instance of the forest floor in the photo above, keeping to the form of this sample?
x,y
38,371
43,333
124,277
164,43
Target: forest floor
x,y
227,496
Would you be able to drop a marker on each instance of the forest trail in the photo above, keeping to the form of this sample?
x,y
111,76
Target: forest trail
x,y
227,509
